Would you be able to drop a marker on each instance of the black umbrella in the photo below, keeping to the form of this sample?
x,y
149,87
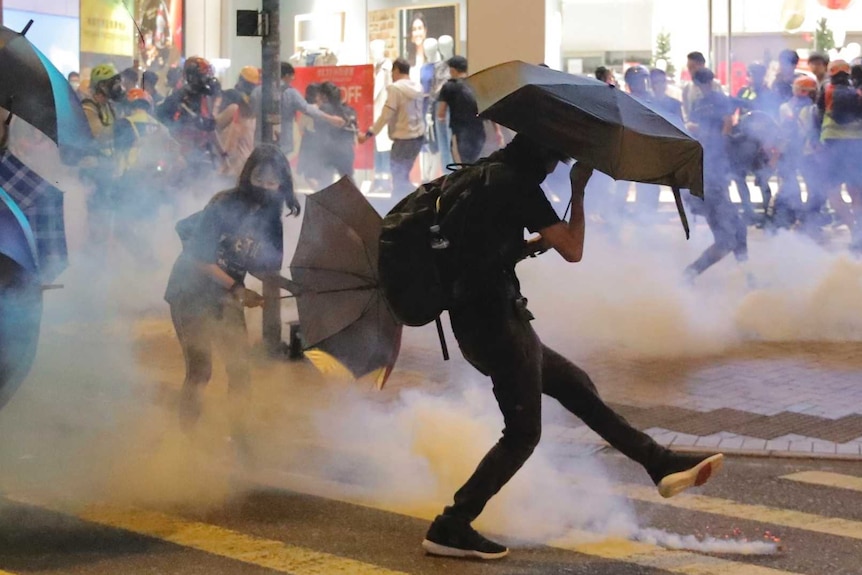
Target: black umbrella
x,y
20,297
591,122
345,322
35,91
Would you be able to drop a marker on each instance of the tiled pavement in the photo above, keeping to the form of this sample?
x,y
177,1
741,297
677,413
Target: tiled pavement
x,y
762,398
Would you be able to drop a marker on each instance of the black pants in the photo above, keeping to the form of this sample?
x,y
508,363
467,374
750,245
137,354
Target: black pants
x,y
467,146
197,331
401,160
728,230
497,339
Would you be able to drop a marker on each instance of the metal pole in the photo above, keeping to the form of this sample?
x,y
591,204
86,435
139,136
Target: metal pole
x,y
270,116
728,64
711,36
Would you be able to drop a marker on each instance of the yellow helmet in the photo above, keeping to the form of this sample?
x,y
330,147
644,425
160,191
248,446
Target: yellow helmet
x,y
103,73
250,74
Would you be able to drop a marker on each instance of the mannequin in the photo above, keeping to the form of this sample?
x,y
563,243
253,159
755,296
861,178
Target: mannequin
x,y
446,46
382,79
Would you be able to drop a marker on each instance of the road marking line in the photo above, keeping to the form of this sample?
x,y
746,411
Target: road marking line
x,y
759,513
622,550
275,555
826,479
683,562
6,572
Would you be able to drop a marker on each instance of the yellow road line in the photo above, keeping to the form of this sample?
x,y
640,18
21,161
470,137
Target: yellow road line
x,y
6,572
275,555
636,553
760,513
827,479
682,562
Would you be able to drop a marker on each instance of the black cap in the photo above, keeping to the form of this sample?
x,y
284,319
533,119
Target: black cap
x,y
458,62
703,76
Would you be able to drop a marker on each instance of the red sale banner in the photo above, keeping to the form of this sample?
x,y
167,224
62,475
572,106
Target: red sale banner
x,y
357,91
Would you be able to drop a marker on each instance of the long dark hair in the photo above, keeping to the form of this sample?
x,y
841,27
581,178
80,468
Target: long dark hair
x,y
271,155
411,47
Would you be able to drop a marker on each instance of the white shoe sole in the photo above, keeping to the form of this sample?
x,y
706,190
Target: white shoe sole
x,y
444,551
695,477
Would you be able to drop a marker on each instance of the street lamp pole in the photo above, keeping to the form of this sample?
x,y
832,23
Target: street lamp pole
x,y
728,54
711,33
270,117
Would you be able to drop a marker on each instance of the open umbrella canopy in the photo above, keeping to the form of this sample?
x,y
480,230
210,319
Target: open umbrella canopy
x,y
592,122
20,297
16,236
42,206
345,322
35,91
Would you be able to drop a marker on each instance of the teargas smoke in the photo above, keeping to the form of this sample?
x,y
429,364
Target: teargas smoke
x,y
97,417
707,544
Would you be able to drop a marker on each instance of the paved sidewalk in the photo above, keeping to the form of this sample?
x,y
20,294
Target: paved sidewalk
x,y
763,398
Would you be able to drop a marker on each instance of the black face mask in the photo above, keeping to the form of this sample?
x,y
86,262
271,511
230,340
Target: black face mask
x,y
116,92
263,196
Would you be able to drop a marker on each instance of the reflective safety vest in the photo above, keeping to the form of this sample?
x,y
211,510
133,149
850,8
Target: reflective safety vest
x,y
153,147
101,118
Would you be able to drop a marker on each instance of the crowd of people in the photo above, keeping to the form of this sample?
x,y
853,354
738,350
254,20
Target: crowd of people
x,y
797,135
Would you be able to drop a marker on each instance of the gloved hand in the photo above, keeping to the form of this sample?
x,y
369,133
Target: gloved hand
x,y
246,297
206,124
579,175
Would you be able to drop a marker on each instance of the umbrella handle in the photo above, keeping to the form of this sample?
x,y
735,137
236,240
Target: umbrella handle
x,y
677,197
443,347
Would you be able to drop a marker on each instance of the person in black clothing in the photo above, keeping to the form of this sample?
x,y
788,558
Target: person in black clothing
x,y
338,144
492,325
782,86
671,107
711,120
456,96
239,231
189,113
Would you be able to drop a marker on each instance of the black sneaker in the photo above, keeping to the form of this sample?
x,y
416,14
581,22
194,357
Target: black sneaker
x,y
677,472
453,537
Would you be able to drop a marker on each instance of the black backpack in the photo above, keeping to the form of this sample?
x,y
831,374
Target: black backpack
x,y
420,241
846,106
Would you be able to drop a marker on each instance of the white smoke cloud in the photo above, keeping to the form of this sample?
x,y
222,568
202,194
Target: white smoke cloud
x,y
97,417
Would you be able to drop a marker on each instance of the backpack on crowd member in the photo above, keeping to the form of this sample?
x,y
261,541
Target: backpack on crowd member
x,y
843,103
421,239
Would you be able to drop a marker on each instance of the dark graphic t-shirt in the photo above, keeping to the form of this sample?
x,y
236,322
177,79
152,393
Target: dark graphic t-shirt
x,y
463,109
236,235
494,238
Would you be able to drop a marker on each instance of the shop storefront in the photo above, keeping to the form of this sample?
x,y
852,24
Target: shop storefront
x,y
55,30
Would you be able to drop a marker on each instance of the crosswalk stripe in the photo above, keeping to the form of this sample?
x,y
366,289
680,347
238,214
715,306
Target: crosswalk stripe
x,y
622,550
275,555
826,479
682,562
759,513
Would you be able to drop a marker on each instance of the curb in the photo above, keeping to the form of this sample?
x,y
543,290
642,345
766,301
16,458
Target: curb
x,y
750,453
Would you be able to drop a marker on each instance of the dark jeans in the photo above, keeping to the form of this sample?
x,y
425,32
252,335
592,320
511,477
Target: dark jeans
x,y
497,339
401,160
197,331
728,230
467,146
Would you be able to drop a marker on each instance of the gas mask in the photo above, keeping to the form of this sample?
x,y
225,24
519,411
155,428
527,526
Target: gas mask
x,y
264,196
113,89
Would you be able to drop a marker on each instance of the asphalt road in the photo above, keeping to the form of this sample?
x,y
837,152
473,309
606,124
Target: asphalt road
x,y
279,525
